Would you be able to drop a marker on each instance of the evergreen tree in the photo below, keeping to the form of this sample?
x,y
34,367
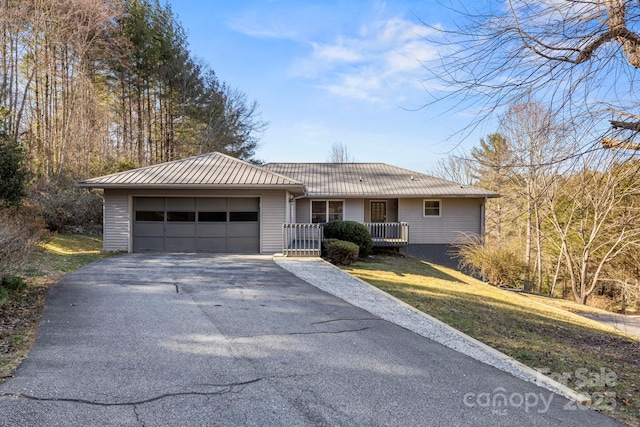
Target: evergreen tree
x,y
13,171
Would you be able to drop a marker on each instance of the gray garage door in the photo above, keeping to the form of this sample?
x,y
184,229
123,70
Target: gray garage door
x,y
189,224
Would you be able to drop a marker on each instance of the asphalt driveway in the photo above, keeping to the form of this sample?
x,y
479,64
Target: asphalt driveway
x,y
179,340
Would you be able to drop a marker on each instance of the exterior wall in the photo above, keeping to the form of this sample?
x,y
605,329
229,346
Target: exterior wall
x,y
272,216
116,232
290,209
457,216
438,254
118,214
354,210
303,211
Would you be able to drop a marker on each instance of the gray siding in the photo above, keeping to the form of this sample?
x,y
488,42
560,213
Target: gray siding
x,y
289,209
117,214
272,216
116,221
303,211
458,216
354,210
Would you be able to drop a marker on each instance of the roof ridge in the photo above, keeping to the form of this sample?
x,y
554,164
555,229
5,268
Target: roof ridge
x,y
142,168
409,171
327,163
262,167
211,154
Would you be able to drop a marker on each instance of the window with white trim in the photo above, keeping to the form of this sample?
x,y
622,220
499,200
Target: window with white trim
x,y
431,207
326,210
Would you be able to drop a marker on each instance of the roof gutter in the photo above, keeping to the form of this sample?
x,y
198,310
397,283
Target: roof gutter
x,y
133,187
404,196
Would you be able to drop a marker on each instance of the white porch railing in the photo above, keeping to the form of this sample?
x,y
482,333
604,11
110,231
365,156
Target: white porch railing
x,y
388,233
301,239
306,239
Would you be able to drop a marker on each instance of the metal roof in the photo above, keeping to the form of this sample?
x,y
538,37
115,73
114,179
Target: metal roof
x,y
372,180
212,170
217,170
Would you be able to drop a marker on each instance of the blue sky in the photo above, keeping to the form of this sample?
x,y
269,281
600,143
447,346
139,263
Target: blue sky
x,y
325,72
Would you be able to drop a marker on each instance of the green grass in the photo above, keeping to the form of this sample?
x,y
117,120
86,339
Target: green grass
x,y
541,335
66,253
20,312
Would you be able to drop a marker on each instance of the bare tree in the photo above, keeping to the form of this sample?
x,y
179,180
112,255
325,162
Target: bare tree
x,y
537,144
340,154
594,217
458,168
579,57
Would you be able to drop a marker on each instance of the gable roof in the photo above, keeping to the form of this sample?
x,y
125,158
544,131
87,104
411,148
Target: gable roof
x,y
212,170
371,179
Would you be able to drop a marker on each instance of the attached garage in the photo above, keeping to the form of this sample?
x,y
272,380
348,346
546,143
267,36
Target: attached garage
x,y
207,203
196,224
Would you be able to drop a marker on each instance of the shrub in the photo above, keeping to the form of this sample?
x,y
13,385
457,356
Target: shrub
x,y
340,251
64,207
3,294
13,283
500,264
19,237
350,231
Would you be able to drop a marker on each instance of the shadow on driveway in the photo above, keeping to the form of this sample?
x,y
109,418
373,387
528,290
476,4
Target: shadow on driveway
x,y
236,340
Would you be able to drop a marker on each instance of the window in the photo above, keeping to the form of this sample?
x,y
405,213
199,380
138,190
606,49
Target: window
x,y
431,207
335,210
181,216
149,216
212,216
326,210
243,216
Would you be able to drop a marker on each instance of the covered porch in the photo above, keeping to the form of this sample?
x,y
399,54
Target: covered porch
x,y
306,239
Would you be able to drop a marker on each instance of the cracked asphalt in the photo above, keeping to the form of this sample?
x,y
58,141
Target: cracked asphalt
x,y
234,340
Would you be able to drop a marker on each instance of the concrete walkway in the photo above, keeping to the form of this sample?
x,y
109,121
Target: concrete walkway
x,y
630,325
359,293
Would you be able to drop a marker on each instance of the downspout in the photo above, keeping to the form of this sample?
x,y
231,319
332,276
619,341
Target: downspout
x,y
287,236
483,219
482,229
292,203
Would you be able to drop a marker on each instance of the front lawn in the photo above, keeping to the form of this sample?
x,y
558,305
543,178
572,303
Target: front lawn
x,y
583,354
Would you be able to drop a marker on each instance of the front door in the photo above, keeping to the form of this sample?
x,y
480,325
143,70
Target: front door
x,y
379,211
378,215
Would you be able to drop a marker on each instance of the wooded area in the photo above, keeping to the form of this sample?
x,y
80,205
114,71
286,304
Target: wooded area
x,y
89,87
561,79
564,225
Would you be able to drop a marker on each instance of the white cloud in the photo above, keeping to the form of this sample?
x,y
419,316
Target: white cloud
x,y
273,32
380,63
336,53
359,53
365,85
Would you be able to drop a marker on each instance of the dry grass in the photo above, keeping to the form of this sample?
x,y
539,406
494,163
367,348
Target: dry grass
x,y
541,335
20,313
